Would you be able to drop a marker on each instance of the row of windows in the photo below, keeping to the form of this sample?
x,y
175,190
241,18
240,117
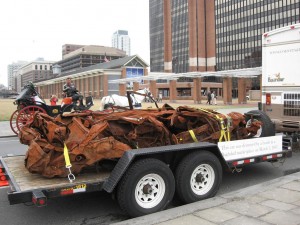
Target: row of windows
x,y
233,39
241,43
238,61
237,34
41,67
250,23
255,11
235,60
241,53
243,5
239,57
234,65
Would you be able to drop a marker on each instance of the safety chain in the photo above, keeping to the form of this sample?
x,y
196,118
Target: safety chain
x,y
278,163
238,170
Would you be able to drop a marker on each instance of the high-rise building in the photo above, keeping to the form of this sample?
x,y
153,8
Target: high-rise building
x,y
121,40
182,35
156,23
11,74
241,24
204,35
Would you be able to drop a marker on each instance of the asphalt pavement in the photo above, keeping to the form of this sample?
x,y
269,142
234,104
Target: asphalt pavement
x,y
273,202
5,130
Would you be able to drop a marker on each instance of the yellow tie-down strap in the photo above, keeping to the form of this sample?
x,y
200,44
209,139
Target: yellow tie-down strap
x,y
193,135
71,176
225,130
229,122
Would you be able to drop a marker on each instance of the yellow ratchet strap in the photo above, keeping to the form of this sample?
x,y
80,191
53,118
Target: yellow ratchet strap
x,y
223,129
193,135
229,122
71,176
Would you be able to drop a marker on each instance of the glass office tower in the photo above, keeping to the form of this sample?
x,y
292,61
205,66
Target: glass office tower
x,y
180,39
156,35
240,25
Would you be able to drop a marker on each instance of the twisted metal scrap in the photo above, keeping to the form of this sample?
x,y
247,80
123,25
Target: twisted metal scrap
x,y
94,136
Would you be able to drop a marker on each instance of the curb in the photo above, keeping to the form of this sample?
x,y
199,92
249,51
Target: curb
x,y
8,136
180,211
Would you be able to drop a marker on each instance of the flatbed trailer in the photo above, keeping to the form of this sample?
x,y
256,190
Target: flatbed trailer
x,y
144,180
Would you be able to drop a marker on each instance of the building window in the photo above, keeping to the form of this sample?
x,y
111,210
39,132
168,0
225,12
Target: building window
x,y
41,67
45,67
184,92
36,67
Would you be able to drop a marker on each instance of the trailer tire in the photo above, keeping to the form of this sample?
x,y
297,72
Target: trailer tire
x,y
198,176
148,186
267,129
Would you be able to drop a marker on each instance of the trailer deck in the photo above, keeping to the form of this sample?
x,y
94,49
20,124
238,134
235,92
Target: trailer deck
x,y
22,180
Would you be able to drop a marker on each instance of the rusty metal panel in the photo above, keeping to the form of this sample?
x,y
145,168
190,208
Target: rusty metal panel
x,y
95,136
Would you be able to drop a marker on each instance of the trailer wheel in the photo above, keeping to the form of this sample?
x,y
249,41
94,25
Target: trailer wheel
x,y
148,186
267,129
198,176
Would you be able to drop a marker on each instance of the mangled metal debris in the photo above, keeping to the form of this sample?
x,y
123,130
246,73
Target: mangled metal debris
x,y
95,136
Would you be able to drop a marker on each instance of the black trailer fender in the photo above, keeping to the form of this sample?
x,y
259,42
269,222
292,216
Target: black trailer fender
x,y
268,127
129,156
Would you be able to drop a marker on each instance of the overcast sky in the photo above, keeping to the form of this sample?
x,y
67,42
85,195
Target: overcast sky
x,y
38,28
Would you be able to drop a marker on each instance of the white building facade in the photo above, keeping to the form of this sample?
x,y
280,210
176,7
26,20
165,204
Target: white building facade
x,y
121,40
33,72
11,74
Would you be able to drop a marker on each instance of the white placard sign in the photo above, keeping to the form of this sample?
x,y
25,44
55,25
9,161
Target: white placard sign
x,y
247,148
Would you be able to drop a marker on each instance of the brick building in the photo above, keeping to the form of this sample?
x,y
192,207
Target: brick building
x,y
78,56
94,80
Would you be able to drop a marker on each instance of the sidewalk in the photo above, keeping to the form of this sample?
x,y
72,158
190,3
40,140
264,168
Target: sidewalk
x,y
273,202
5,130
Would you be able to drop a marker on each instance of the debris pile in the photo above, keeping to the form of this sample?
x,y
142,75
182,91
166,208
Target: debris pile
x,y
94,136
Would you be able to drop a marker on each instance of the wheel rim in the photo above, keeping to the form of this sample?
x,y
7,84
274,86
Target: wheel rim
x,y
13,122
202,179
150,190
26,115
259,131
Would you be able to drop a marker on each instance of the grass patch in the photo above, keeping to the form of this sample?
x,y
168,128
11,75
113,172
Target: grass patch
x,y
7,108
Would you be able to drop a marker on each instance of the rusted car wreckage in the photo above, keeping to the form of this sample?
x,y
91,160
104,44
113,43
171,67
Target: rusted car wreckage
x,y
94,137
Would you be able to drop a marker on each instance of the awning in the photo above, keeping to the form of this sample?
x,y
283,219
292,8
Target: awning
x,y
240,73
